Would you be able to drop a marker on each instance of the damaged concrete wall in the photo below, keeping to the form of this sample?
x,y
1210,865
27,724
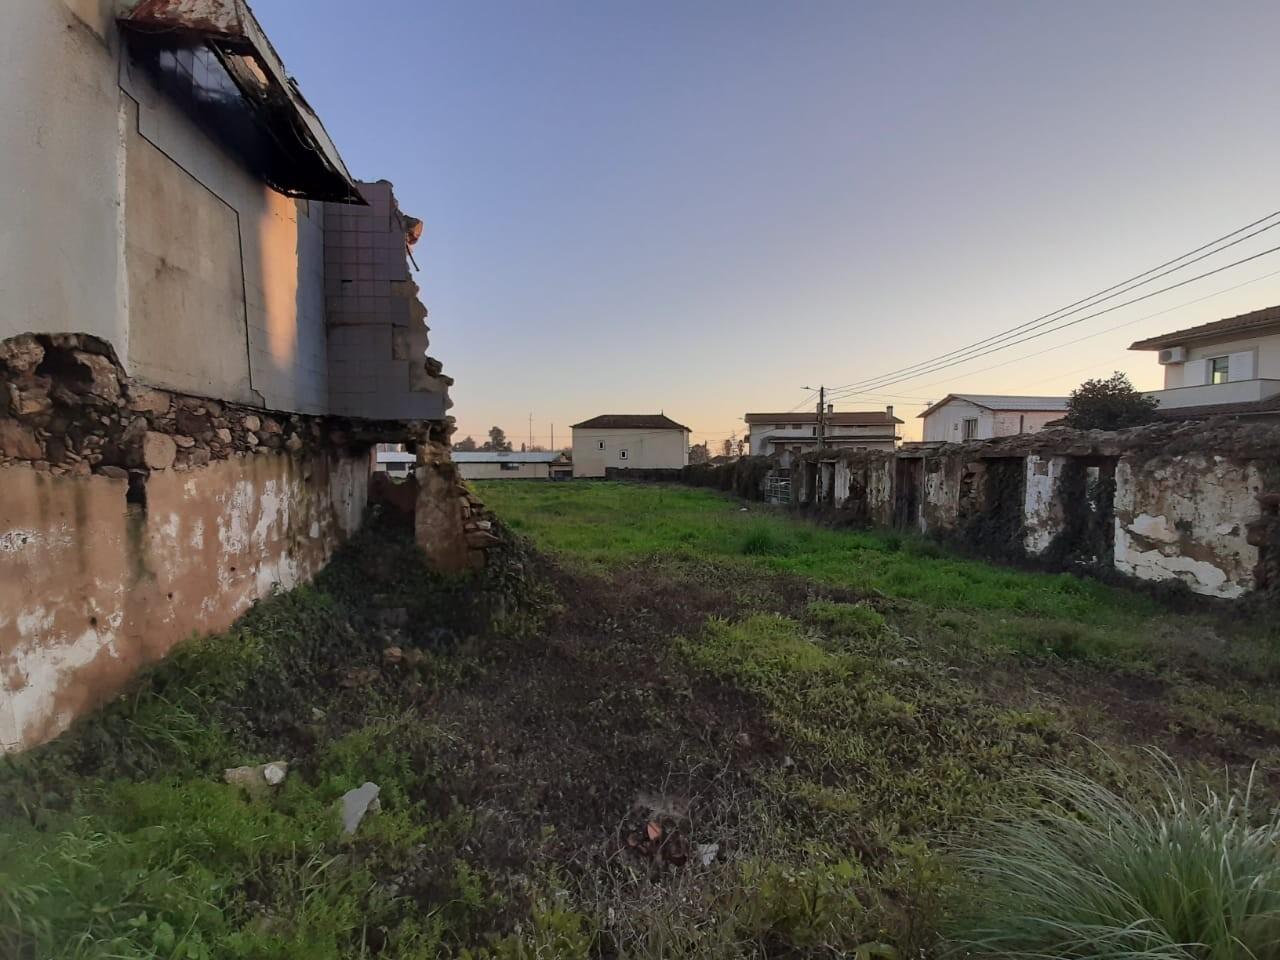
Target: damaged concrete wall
x,y
92,587
1185,518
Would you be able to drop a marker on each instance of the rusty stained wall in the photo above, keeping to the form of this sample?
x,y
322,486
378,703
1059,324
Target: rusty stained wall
x,y
90,591
1184,518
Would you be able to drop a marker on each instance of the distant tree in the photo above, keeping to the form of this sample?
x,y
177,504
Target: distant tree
x,y
698,453
497,440
466,445
727,447
538,448
1109,405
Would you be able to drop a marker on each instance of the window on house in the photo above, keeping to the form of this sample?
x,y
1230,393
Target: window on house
x,y
813,431
599,444
971,428
797,426
1218,370
622,454
509,466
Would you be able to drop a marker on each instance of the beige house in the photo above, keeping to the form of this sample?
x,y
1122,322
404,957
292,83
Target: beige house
x,y
512,465
772,434
1228,366
970,416
628,441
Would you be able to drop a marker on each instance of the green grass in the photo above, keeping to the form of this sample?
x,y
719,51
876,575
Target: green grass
x,y
603,525
1088,873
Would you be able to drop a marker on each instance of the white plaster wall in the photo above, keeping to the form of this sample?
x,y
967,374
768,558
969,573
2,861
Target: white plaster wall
x,y
1266,365
1041,517
89,595
1184,518
60,173
646,449
64,253
946,423
494,471
1009,423
758,431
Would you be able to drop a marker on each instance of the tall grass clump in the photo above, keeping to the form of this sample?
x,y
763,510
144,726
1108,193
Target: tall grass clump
x,y
1188,875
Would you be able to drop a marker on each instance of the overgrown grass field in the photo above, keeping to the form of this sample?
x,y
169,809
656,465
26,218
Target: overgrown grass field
x,y
693,732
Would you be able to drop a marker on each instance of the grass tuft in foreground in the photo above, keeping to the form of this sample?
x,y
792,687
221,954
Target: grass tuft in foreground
x,y
1194,876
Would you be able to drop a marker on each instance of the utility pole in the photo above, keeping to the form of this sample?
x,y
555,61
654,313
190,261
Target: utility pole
x,y
822,415
531,431
553,438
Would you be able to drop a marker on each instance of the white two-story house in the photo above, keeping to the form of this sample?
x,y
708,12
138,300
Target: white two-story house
x,y
1231,365
778,433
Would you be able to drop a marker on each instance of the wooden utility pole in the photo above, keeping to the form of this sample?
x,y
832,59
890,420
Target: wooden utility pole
x,y
531,431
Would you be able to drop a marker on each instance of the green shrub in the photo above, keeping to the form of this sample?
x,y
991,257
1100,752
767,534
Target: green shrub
x,y
1193,876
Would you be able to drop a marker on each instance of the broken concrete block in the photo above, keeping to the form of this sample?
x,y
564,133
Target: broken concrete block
x,y
158,450
252,423
358,802
223,434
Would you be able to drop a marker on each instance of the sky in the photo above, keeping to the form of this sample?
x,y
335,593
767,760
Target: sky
x,y
703,207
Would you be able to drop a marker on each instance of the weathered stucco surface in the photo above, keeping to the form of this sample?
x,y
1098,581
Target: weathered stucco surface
x,y
91,589
1041,510
1185,518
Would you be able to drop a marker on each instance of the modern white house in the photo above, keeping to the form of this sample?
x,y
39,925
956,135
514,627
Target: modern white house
x,y
1231,365
774,434
628,441
512,465
971,416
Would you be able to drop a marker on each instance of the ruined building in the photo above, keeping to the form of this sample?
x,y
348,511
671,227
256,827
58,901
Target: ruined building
x,y
205,324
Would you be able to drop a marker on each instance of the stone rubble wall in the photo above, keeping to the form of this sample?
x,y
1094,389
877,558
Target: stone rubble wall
x,y
132,517
1196,503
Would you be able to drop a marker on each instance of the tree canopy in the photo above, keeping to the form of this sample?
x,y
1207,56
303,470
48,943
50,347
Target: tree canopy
x,y
1109,404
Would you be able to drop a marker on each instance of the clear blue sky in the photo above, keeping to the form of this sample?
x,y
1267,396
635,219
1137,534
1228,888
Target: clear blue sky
x,y
702,206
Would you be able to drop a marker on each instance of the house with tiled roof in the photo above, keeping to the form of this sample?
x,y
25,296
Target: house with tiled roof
x,y
1229,366
629,441
981,416
778,434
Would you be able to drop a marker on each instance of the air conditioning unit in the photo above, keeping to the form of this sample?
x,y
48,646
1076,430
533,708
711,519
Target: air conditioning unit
x,y
1173,355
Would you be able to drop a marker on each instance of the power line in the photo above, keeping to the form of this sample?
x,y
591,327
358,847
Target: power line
x,y
1111,329
1094,299
1071,323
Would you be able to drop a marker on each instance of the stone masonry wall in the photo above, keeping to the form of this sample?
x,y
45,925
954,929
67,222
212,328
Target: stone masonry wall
x,y
132,517
1190,502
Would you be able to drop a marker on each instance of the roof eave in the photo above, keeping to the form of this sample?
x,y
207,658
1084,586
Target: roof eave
x,y
231,24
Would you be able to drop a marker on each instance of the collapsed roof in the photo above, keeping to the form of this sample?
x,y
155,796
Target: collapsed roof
x,y
213,58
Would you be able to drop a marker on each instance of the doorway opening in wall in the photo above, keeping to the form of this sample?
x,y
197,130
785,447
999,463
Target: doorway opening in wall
x,y
1085,498
908,478
993,497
